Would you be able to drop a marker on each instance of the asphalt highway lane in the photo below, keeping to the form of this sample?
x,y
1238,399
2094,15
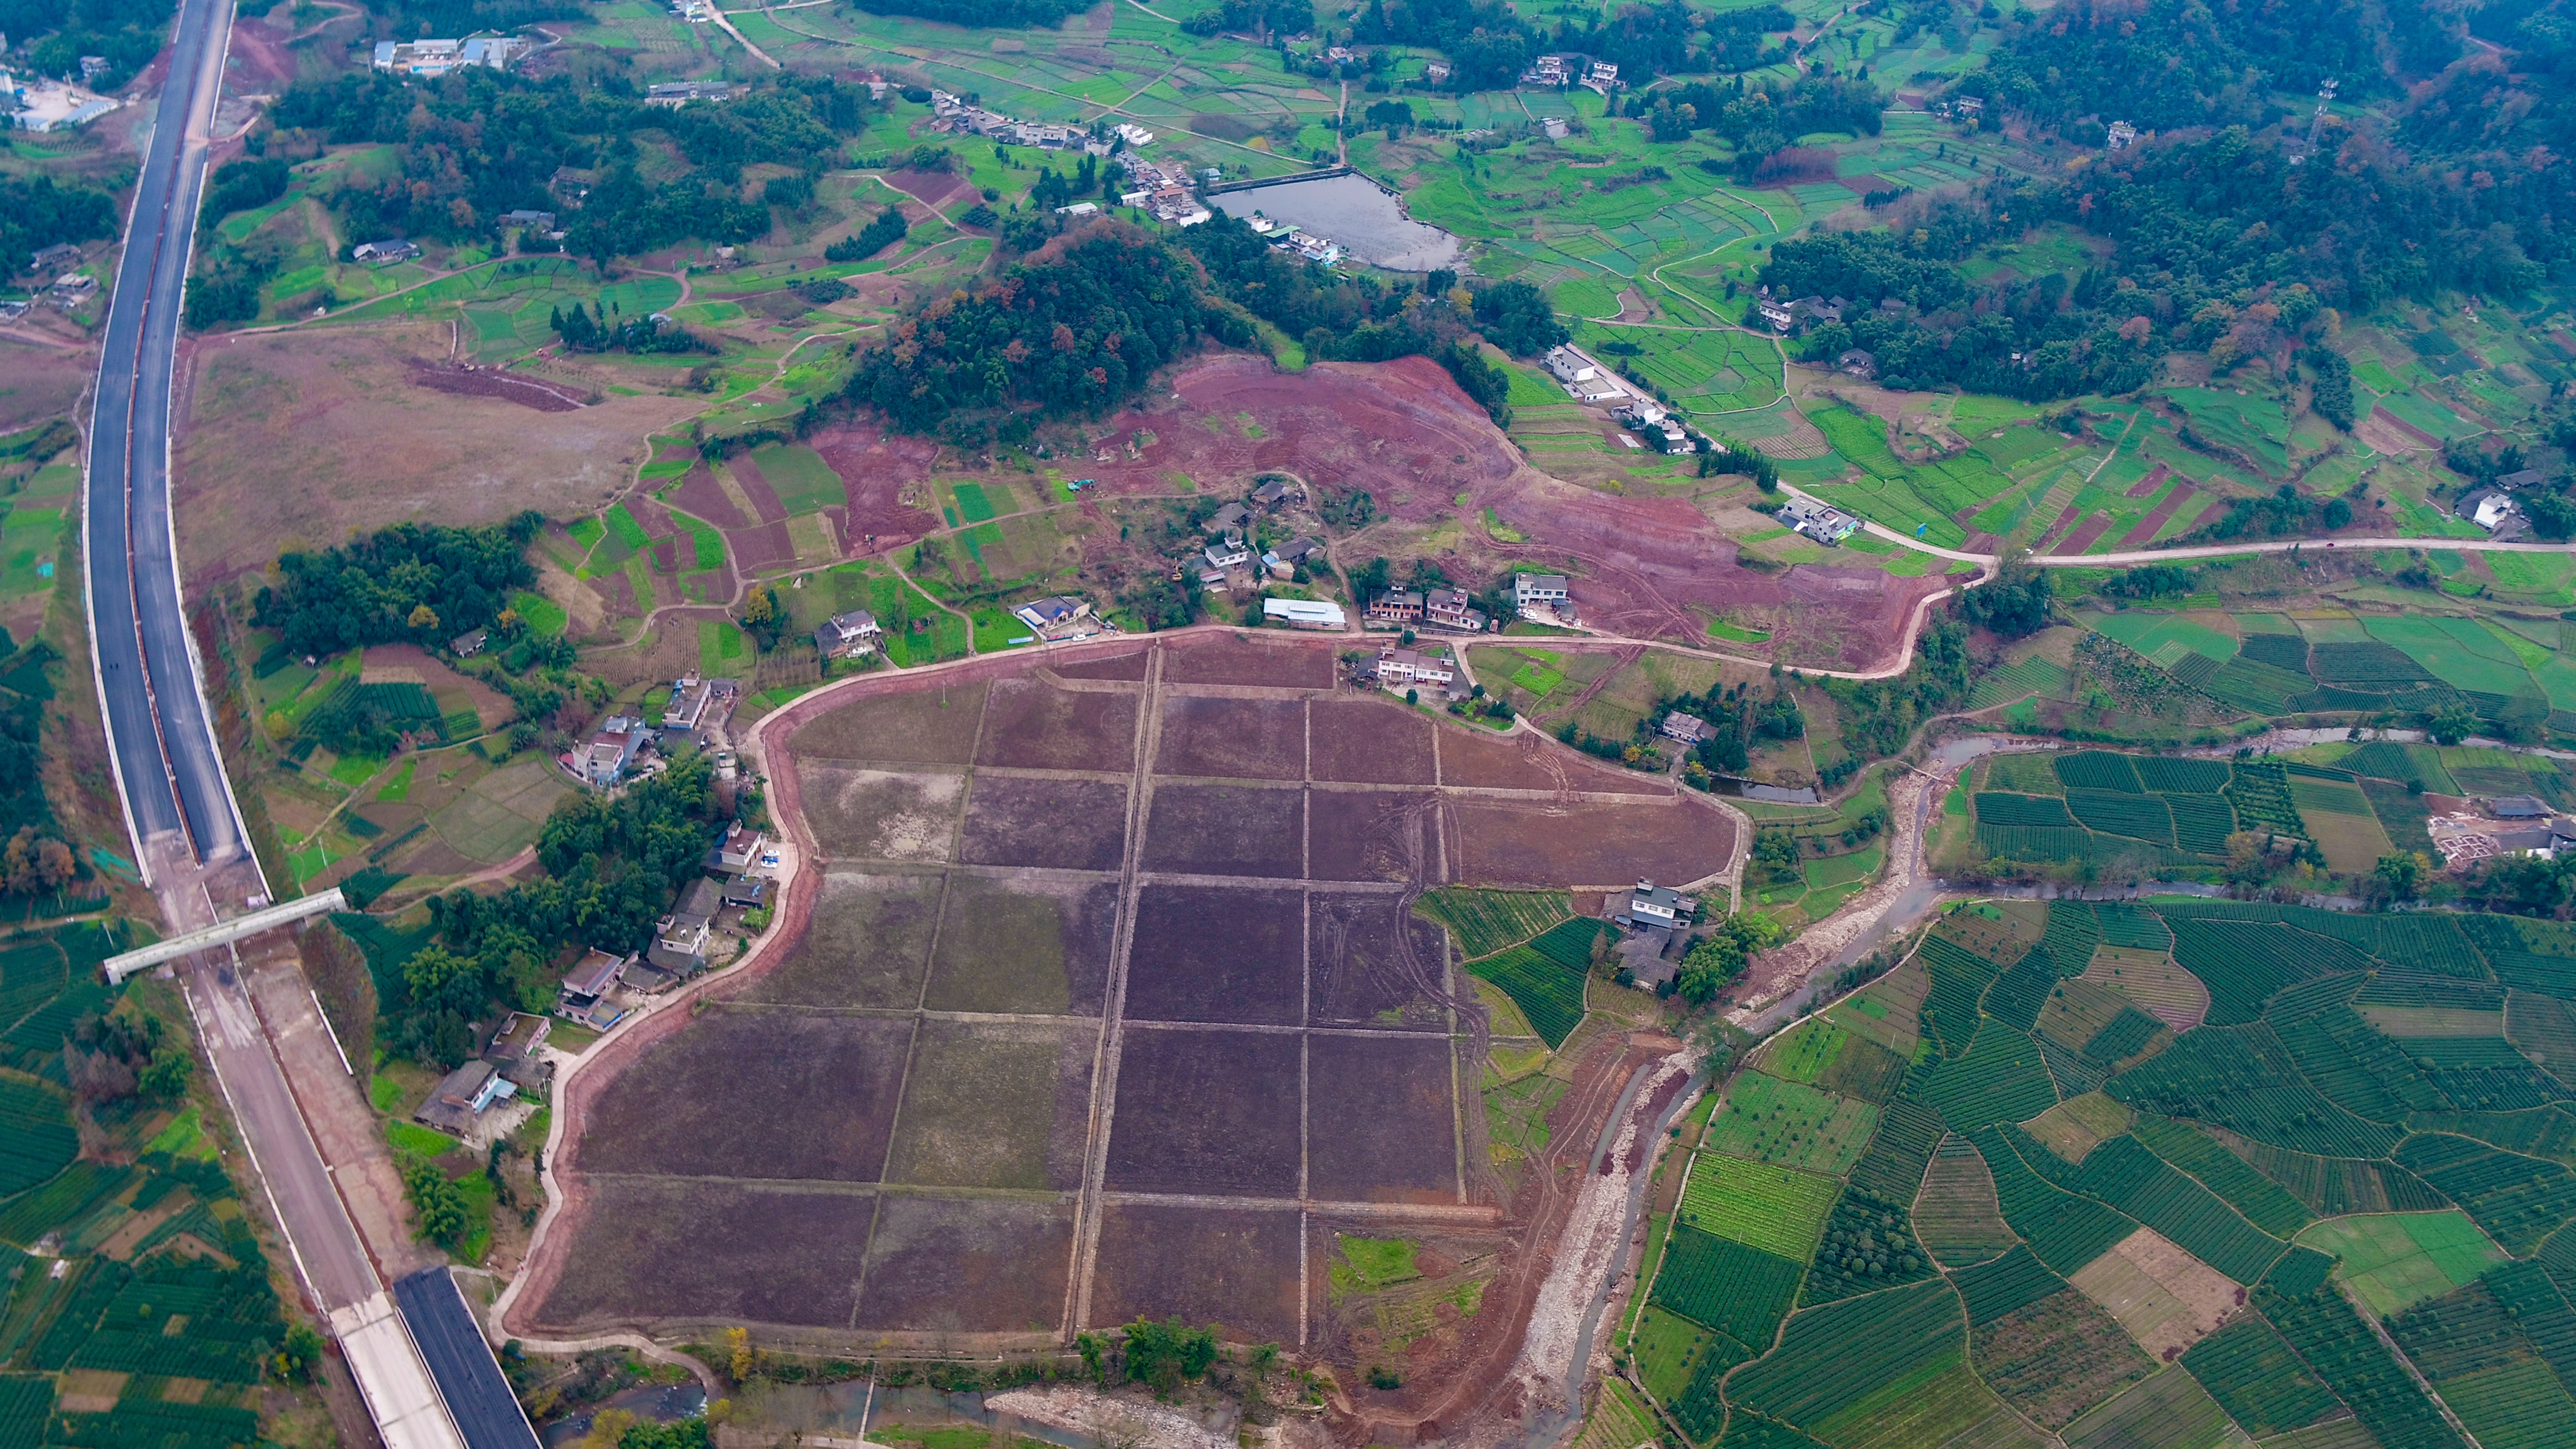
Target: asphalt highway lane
x,y
167,765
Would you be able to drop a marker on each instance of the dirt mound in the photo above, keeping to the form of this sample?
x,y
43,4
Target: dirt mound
x,y
878,471
527,392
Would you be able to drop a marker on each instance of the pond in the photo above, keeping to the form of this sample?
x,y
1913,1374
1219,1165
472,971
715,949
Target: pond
x,y
1351,210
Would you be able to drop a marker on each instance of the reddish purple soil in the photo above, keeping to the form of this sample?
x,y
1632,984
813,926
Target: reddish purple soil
x,y
2145,530
2146,487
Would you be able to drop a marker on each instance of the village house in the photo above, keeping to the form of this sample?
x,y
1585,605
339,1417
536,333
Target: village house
x,y
2494,510
58,258
427,57
1602,77
612,749
1228,553
848,635
1437,72
1398,668
749,892
1282,561
1781,315
383,253
736,849
1820,521
1304,613
1689,729
1651,906
1276,492
699,704
679,93
2122,136
469,644
680,938
1058,616
1452,609
516,1051
1859,362
583,995
1541,591
1400,606
463,1095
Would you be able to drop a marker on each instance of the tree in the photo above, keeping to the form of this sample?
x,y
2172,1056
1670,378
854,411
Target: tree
x,y
741,1360
2451,724
2016,602
165,1079
1168,1353
423,618
1722,955
436,1202
2396,877
764,616
298,1355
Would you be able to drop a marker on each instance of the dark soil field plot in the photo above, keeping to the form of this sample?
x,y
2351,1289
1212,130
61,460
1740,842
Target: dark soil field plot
x,y
1057,824
1233,739
754,1094
680,1255
1370,963
1206,1112
1225,660
1365,742
1602,845
1127,667
996,1104
1032,724
1371,834
1227,830
1526,762
2055,1358
1027,947
861,814
1381,1127
866,944
967,1265
1207,953
1235,1266
926,727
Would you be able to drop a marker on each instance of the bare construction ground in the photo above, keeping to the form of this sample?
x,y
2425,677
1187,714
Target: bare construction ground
x,y
1059,1042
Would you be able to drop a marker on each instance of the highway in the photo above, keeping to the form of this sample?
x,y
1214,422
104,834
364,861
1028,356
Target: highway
x,y
167,767
187,829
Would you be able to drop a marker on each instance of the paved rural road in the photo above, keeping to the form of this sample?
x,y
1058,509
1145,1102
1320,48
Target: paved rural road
x,y
167,767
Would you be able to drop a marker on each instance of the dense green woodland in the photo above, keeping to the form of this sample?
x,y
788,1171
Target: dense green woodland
x,y
413,583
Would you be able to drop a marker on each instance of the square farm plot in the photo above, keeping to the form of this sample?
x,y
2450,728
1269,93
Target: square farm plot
x,y
1106,986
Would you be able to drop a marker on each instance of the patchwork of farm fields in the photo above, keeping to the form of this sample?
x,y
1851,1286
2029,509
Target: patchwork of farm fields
x,y
2139,1214
1247,992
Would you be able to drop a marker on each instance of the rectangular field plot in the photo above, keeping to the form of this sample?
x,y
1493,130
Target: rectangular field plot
x,y
2054,1358
755,1094
1054,823
1240,739
863,814
1837,1359
1740,1291
1603,845
1776,1209
996,1105
1212,1112
1381,835
2169,1411
1228,659
1381,1125
1371,964
2396,1260
1369,742
1227,830
1769,1120
2166,1298
2256,1379
866,943
966,1265
923,727
1208,953
680,1254
1238,1266
1032,724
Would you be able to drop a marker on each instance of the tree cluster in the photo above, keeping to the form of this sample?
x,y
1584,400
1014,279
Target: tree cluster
x,y
1722,954
36,859
1253,17
2014,603
583,329
127,33
1160,1354
36,212
883,230
1880,715
410,583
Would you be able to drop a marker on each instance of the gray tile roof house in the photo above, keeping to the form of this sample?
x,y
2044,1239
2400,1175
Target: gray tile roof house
x,y
1230,517
855,632
1690,729
736,849
2519,807
461,1097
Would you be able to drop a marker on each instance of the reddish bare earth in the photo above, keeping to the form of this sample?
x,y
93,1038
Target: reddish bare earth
x,y
528,392
1262,1089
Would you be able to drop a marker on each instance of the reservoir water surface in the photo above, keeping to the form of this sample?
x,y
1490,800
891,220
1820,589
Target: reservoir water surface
x,y
1350,210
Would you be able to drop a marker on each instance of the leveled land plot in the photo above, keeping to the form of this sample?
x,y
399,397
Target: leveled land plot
x,y
2255,1377
2396,1260
1370,964
1769,1120
1387,835
2056,1358
2517,1405
2169,1411
1369,742
1848,1356
927,727
1252,971
1240,739
681,1250
1526,762
966,1265
996,1105
866,943
2074,1127
2166,1298
679,1109
1242,659
1805,1051
1381,1123
1060,824
1602,845
1028,947
1227,830
2152,980
1030,723
1206,1112
1887,1011
862,814
1956,1215
1776,1209
1238,1266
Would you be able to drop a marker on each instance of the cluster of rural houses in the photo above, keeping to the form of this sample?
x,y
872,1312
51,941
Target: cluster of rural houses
x,y
2492,507
1658,921
41,103
695,711
430,58
2466,830
1556,72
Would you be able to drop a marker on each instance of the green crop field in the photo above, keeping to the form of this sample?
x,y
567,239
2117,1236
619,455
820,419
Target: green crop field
x,y
1771,1120
1779,1210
